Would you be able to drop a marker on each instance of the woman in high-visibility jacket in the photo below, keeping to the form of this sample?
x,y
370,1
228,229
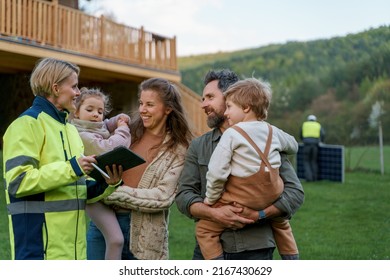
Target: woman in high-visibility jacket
x,y
46,189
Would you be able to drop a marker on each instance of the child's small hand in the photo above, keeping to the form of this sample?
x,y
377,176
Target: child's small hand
x,y
123,120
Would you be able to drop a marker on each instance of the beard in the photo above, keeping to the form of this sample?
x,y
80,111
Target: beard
x,y
215,121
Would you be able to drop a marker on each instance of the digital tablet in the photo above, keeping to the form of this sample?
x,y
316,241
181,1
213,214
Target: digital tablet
x,y
119,156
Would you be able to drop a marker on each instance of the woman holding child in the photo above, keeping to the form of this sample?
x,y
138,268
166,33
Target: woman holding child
x,y
161,135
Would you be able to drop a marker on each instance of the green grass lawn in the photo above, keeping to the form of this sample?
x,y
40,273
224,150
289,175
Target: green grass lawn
x,y
338,221
366,159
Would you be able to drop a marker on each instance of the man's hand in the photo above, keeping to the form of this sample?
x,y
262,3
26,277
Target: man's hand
x,y
229,216
226,215
270,212
247,212
207,202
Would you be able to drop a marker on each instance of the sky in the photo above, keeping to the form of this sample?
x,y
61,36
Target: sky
x,y
210,26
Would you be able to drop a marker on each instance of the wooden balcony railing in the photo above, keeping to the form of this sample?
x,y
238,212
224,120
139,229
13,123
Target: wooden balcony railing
x,y
50,24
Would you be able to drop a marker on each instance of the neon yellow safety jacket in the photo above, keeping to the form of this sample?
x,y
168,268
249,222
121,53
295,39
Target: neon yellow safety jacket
x,y
311,129
46,190
312,132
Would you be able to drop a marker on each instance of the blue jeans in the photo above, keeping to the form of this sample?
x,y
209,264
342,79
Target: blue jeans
x,y
96,245
260,254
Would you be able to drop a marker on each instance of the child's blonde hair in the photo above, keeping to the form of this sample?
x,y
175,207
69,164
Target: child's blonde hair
x,y
253,93
94,92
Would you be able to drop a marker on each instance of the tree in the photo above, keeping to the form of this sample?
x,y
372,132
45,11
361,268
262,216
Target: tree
x,y
379,94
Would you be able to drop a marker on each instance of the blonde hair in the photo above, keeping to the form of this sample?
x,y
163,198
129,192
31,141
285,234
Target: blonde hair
x,y
93,92
50,71
253,93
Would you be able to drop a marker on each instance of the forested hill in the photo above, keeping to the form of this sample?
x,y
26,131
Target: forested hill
x,y
338,79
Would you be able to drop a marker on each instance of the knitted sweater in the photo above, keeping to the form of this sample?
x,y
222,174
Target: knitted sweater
x,y
150,203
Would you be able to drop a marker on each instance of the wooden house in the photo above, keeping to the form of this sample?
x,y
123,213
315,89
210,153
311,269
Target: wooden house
x,y
112,56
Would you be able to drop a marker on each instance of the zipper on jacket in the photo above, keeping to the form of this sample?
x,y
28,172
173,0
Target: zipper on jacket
x,y
63,145
77,193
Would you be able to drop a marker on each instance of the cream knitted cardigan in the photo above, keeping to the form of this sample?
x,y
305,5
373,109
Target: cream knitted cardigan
x,y
150,203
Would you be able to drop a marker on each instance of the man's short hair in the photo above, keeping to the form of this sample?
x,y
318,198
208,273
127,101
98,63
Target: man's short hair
x,y
225,78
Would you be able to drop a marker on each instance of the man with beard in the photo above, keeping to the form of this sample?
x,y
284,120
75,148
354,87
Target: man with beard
x,y
245,239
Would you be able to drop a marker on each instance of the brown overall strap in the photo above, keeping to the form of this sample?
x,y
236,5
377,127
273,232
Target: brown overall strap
x,y
262,155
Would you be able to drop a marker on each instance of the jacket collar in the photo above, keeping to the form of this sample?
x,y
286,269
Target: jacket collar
x,y
49,108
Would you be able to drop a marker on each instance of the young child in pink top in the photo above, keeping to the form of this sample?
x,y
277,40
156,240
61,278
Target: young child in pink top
x,y
101,135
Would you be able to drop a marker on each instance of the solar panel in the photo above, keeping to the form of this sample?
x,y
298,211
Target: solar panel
x,y
330,163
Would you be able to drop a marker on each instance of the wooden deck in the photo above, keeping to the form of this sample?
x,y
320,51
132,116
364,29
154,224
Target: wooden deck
x,y
105,51
50,24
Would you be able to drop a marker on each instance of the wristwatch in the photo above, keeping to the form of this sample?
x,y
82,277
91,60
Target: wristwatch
x,y
261,215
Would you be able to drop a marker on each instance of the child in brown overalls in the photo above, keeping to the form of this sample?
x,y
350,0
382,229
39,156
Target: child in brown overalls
x,y
240,172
